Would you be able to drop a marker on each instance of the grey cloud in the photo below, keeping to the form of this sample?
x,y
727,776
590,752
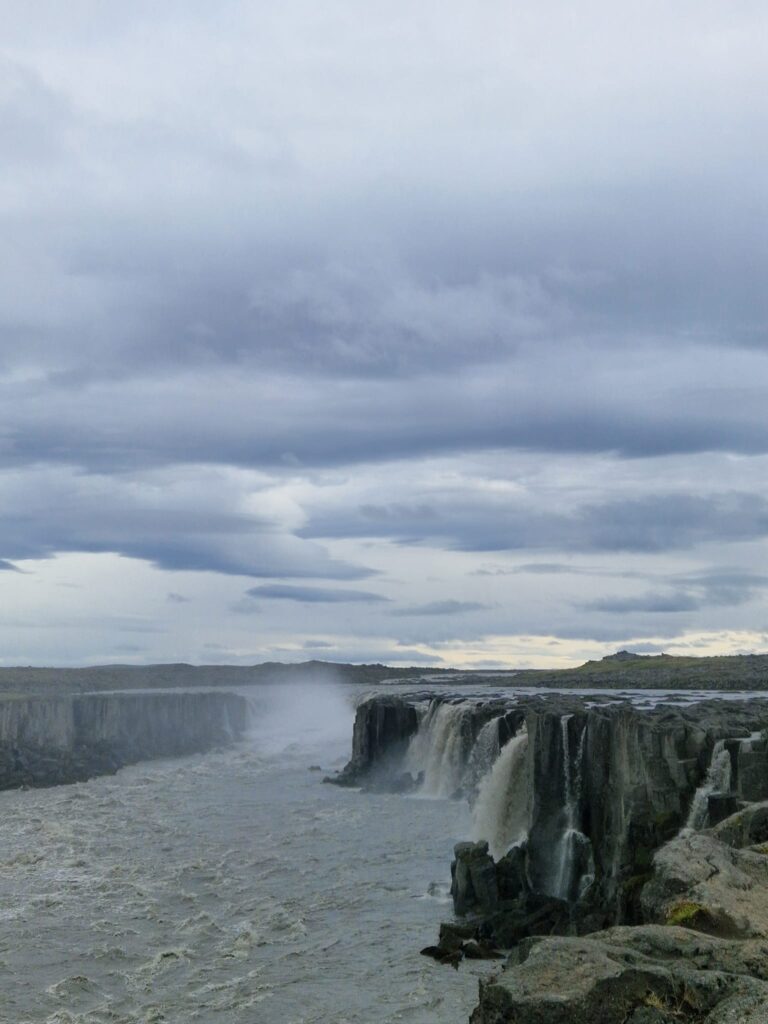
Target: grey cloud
x,y
544,568
653,603
313,595
201,270
174,598
447,607
654,523
727,588
252,418
184,521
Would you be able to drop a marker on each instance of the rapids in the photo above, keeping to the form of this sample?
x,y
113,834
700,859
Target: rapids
x,y
231,887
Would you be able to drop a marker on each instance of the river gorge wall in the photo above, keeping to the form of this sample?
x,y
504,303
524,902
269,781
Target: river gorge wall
x,y
571,797
47,741
618,852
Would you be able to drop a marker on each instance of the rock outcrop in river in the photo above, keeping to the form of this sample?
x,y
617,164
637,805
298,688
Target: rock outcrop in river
x,y
51,740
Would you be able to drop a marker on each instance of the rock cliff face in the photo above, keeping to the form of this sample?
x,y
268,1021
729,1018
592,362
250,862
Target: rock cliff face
x,y
582,796
701,956
46,741
606,853
382,730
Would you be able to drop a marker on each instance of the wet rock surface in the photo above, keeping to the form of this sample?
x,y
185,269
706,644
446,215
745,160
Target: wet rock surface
x,y
705,960
382,730
602,785
632,882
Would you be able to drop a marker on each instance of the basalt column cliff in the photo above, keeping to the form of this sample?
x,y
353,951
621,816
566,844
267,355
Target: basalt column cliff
x,y
50,740
627,830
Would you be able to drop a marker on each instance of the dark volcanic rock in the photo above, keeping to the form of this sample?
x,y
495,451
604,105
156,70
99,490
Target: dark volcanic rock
x,y
50,741
474,885
714,970
596,809
383,727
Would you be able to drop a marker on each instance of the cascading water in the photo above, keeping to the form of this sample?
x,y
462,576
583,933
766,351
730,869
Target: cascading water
x,y
482,757
573,854
437,753
501,811
718,780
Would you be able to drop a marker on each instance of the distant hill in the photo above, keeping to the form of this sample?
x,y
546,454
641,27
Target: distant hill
x,y
620,670
660,671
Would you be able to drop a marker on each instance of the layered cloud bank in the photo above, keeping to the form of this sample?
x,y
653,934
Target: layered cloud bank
x,y
411,336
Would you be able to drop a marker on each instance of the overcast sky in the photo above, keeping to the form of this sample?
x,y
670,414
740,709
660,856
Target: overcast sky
x,y
409,332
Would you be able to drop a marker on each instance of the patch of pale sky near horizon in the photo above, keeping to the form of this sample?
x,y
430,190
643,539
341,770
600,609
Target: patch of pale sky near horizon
x,y
60,617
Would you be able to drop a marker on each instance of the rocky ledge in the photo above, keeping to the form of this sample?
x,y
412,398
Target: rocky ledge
x,y
620,852
572,796
701,957
52,740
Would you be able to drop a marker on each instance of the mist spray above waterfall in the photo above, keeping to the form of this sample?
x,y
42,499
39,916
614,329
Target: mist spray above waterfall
x,y
502,809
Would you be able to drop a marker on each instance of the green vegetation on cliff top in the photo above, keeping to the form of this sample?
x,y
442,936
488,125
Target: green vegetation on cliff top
x,y
663,671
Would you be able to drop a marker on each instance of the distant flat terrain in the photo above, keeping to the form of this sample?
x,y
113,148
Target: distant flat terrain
x,y
616,671
31,680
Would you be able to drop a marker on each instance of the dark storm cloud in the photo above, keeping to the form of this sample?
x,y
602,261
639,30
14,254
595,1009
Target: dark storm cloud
x,y
313,595
447,607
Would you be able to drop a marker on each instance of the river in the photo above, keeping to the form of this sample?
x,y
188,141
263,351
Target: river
x,y
230,887
234,887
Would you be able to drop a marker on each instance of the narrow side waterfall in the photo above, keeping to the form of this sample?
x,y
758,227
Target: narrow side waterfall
x,y
501,812
438,752
573,853
718,780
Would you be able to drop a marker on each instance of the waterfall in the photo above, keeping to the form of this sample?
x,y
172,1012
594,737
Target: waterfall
x,y
573,850
438,751
482,758
567,785
718,780
501,812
